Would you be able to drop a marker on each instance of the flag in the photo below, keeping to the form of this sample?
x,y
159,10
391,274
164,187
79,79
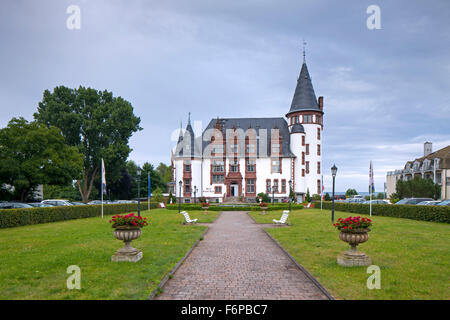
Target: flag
x,y
103,178
149,186
371,182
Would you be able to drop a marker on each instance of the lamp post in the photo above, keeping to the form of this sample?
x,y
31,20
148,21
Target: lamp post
x,y
139,170
290,192
273,192
333,173
195,194
179,198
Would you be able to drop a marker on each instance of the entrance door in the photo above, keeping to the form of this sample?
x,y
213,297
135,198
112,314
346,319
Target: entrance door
x,y
234,190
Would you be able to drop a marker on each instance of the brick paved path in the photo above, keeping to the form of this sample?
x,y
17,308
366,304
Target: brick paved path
x,y
237,260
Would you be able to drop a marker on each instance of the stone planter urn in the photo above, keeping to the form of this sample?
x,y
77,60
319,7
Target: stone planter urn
x,y
353,257
263,210
205,208
127,253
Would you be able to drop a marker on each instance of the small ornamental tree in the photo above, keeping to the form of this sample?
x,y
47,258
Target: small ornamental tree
x,y
308,196
327,197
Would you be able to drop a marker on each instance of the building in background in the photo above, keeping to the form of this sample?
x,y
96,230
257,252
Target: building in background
x,y
433,165
236,158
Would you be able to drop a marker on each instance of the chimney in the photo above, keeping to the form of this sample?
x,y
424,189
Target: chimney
x,y
321,103
427,148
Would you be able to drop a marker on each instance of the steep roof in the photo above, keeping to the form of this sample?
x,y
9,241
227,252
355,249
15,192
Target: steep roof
x,y
304,96
257,124
443,154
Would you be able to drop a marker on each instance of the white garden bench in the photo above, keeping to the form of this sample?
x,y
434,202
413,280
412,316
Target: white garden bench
x,y
283,218
162,205
187,218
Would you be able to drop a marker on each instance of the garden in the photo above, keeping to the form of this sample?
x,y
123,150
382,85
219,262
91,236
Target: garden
x,y
413,256
35,258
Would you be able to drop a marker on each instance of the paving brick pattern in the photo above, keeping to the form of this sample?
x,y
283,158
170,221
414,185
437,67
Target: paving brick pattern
x,y
237,260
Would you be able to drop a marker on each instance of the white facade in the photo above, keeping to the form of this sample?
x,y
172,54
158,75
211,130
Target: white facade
x,y
288,149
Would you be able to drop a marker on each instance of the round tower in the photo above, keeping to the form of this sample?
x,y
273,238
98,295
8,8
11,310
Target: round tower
x,y
305,119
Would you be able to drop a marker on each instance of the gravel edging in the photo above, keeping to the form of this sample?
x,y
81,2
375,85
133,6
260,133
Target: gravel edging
x,y
179,263
318,285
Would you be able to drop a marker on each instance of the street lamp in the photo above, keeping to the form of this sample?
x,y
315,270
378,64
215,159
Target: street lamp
x,y
139,171
195,192
273,191
290,192
333,173
179,198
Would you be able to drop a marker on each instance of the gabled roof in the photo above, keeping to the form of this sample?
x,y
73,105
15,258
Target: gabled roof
x,y
304,96
257,124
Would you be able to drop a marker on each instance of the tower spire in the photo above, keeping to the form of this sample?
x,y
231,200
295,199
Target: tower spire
x,y
304,51
189,118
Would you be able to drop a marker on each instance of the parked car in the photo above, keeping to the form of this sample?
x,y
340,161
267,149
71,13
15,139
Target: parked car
x,y
77,203
444,203
39,204
376,201
57,202
356,200
95,202
428,203
413,200
14,205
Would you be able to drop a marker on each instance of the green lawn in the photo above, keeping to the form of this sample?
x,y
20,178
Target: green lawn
x,y
413,256
34,259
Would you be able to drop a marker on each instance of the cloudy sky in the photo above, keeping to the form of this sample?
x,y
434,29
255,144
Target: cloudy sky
x,y
385,91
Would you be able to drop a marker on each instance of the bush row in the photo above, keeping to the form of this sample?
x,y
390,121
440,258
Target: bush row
x,y
21,217
424,213
188,206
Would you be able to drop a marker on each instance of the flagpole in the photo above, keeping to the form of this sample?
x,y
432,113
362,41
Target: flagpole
x,y
370,187
321,196
101,189
148,195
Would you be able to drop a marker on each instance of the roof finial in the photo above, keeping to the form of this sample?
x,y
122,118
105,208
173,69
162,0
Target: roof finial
x,y
304,51
189,118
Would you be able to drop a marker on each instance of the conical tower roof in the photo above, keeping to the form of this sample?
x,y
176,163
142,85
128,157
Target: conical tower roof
x,y
304,96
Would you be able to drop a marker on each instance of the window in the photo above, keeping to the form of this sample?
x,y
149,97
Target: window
x,y
318,149
234,148
307,167
251,164
217,189
318,133
250,148
303,140
276,166
275,148
303,158
303,172
283,186
251,186
234,165
275,185
307,119
187,166
187,185
217,178
296,119
307,149
319,191
268,188
217,166
318,167
218,148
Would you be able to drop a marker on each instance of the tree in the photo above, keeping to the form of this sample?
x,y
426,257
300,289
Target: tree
x,y
165,173
327,197
264,196
351,192
316,197
95,122
418,187
380,195
308,196
32,154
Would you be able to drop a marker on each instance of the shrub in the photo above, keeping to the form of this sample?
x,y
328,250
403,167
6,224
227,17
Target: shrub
x,y
264,196
21,217
353,224
189,206
424,213
128,220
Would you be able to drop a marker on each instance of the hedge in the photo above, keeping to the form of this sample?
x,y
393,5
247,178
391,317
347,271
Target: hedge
x,y
415,212
187,206
21,217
